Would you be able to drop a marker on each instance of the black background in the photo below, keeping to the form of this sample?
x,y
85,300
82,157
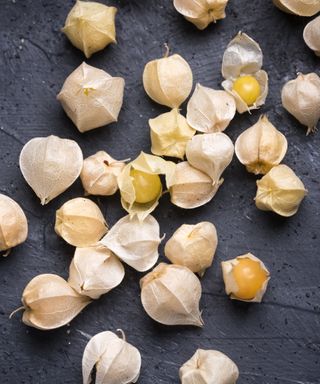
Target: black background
x,y
277,341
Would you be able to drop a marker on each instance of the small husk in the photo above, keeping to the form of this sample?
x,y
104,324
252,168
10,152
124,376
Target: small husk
x,y
114,360
50,165
301,98
49,302
170,294
135,242
209,110
209,367
90,26
94,271
99,174
298,7
80,222
193,246
261,147
280,191
13,224
170,133
201,12
311,35
91,97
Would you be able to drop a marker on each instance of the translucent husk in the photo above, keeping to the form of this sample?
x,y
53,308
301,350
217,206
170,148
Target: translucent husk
x,y
80,222
209,110
90,26
168,81
94,271
280,191
170,133
231,286
99,174
192,188
50,165
261,146
311,35
209,367
149,164
135,242
201,12
301,98
49,302
91,97
170,294
13,224
211,153
193,246
299,7
114,360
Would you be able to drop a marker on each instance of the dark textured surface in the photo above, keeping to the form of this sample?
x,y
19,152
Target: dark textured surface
x,y
277,341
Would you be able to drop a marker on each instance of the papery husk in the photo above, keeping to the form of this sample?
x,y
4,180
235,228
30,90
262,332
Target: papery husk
x,y
91,97
301,98
50,165
94,271
193,246
201,12
113,359
149,164
135,242
50,302
80,222
298,7
90,26
192,188
311,35
168,81
13,224
170,295
209,110
209,367
99,174
211,153
261,147
170,133
231,286
280,191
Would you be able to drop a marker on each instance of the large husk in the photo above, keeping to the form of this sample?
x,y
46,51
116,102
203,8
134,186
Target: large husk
x,y
50,302
90,26
113,359
170,294
135,242
50,165
299,7
91,97
311,35
13,223
94,271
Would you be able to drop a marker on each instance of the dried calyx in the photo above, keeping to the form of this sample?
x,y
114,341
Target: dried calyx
x,y
299,7
91,97
311,35
50,165
261,147
170,294
113,359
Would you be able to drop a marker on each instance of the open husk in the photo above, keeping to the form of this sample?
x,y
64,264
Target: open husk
x,y
90,26
311,35
135,242
209,110
114,360
94,271
91,97
80,222
49,302
13,224
299,7
50,165
170,294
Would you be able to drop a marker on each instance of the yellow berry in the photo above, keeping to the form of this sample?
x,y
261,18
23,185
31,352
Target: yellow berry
x,y
146,186
248,88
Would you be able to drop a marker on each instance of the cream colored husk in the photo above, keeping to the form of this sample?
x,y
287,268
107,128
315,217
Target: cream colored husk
x,y
299,7
311,35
